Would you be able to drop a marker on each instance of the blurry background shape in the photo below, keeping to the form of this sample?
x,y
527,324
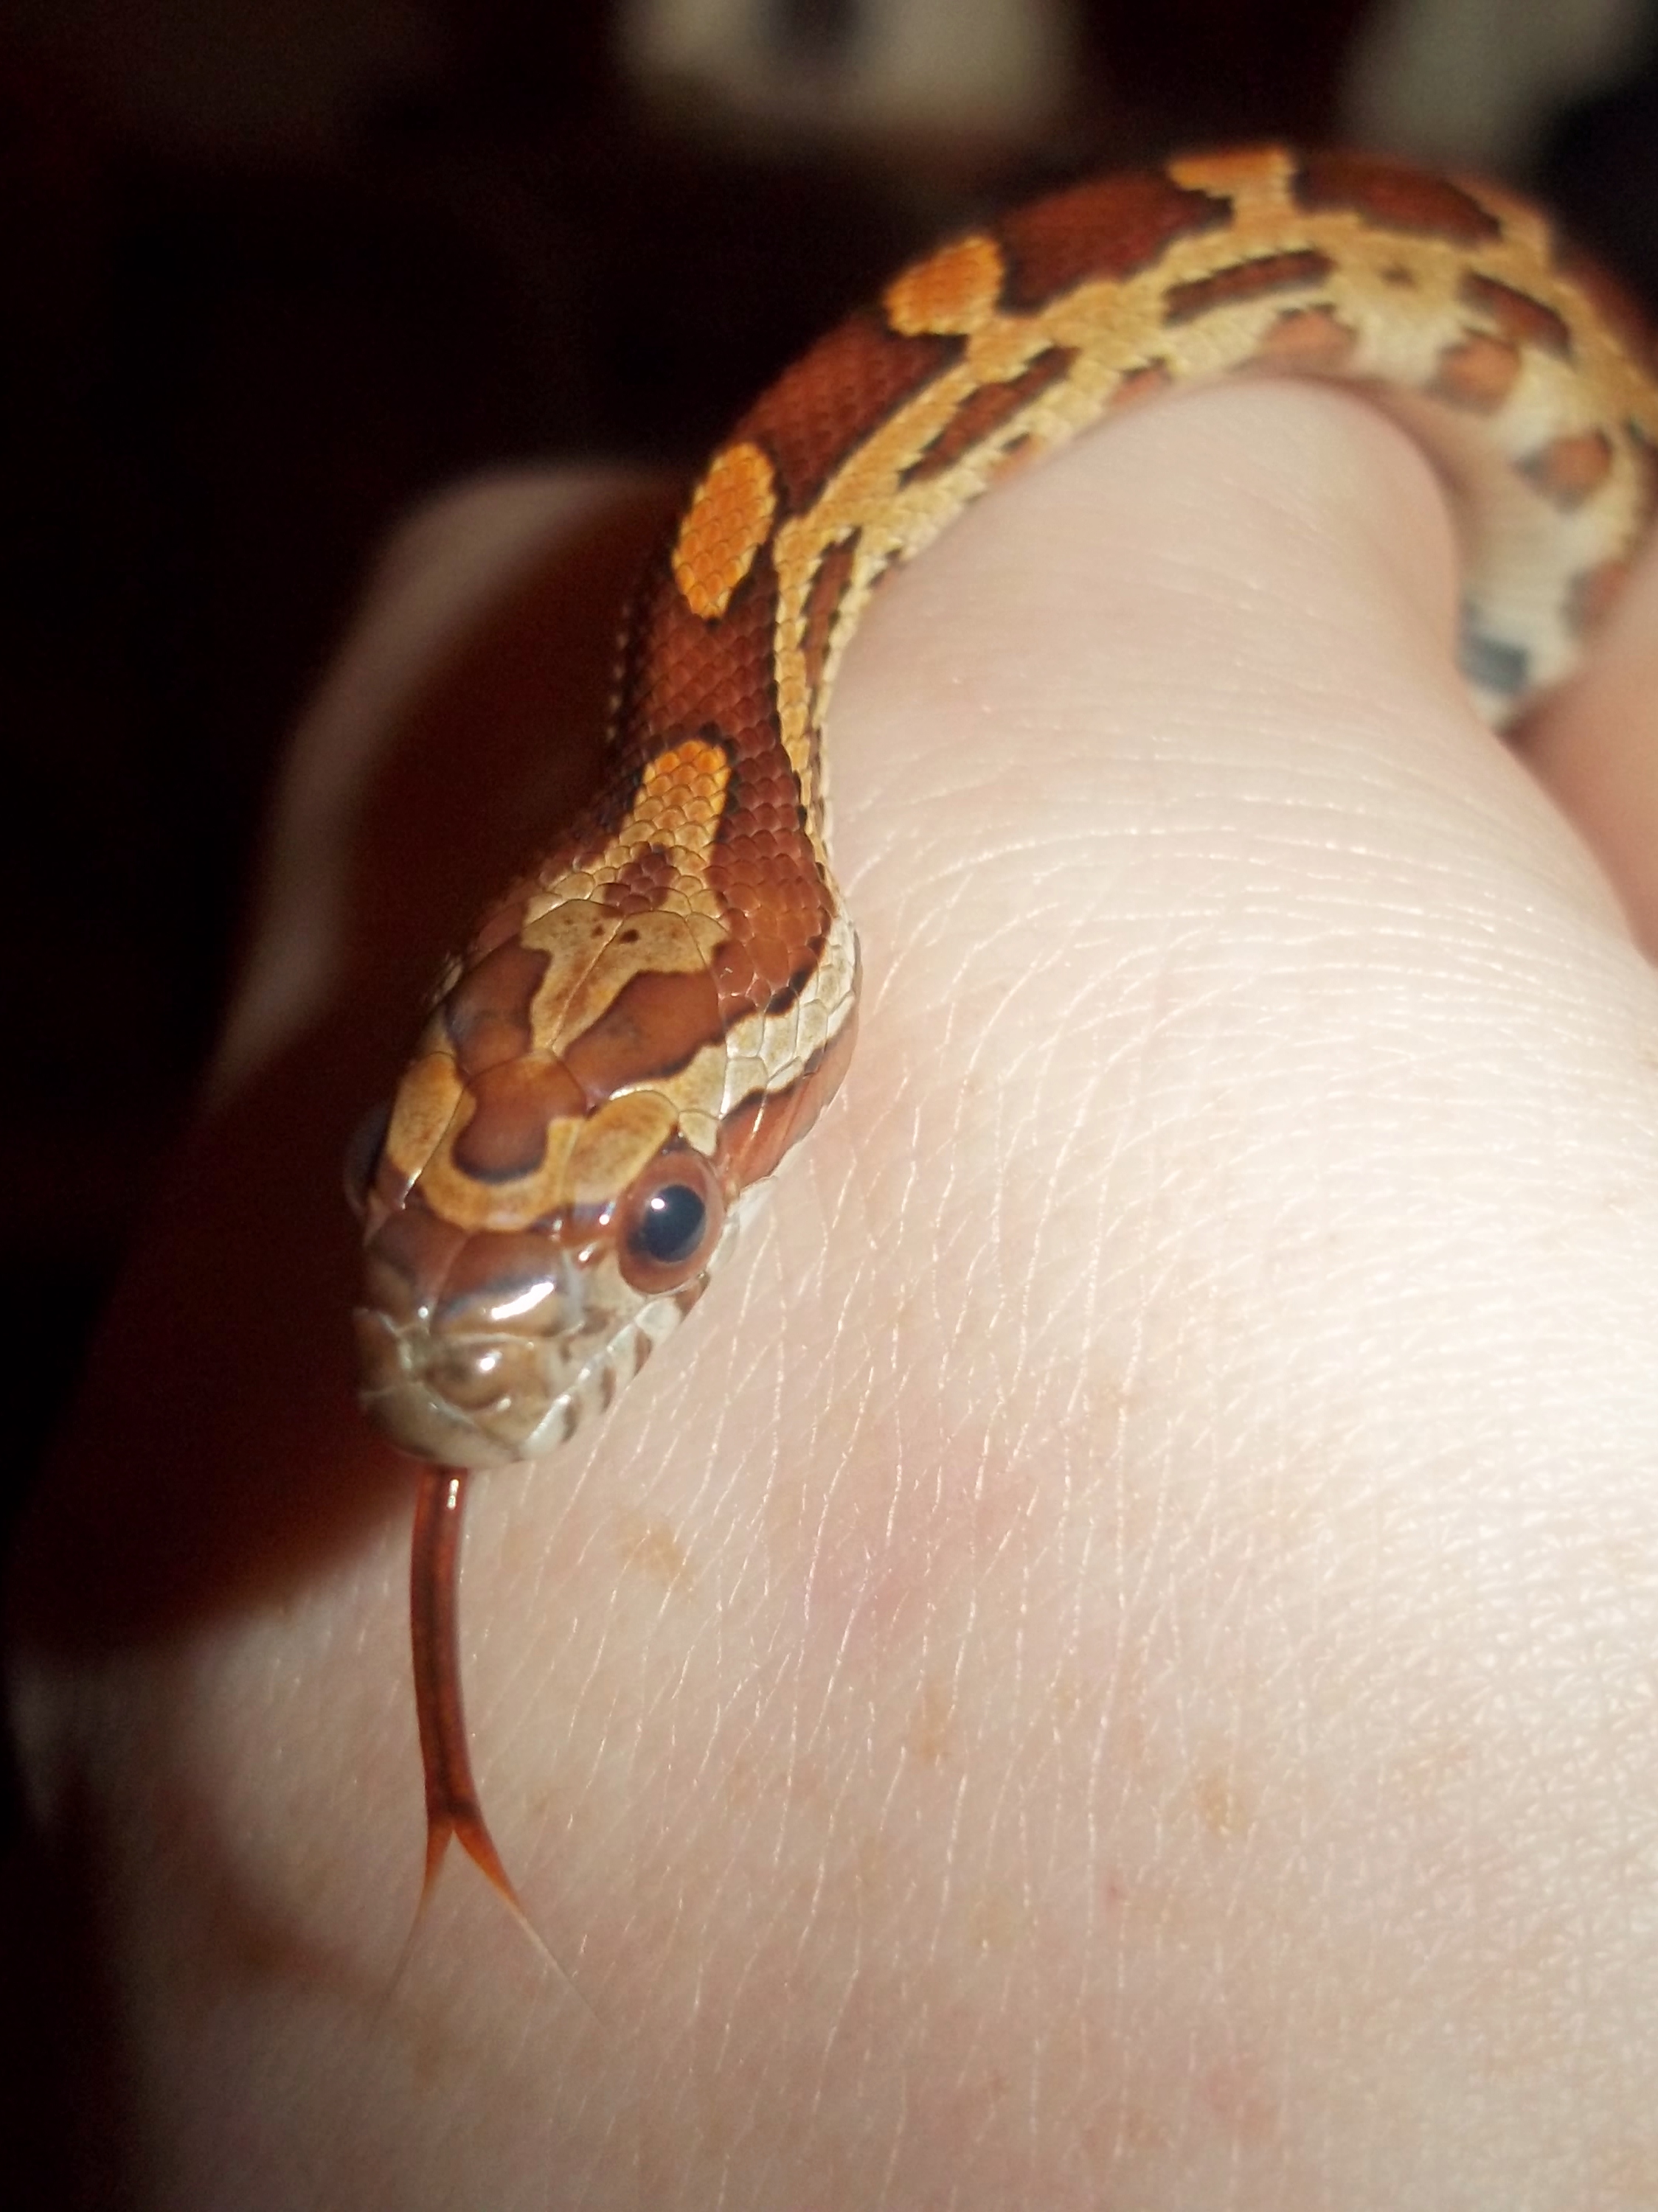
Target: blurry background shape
x,y
240,78
1481,82
1002,69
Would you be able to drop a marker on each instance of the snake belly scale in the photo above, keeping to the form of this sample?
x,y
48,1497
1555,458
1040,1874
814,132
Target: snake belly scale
x,y
644,1025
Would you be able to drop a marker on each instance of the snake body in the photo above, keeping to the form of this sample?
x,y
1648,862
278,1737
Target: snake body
x,y
642,1028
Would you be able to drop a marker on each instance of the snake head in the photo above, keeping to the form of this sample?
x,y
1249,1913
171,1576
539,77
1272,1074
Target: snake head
x,y
560,1168
483,1343
538,1216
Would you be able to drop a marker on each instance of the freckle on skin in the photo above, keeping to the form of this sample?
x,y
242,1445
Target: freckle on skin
x,y
650,1546
1218,1806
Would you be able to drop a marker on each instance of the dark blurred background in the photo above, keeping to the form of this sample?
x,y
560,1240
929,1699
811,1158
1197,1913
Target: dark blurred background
x,y
271,270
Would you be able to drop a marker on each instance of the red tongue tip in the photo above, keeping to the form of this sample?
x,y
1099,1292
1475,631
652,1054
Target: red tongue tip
x,y
453,1809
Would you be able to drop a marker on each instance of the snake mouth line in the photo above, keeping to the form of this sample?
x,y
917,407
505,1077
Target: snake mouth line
x,y
483,1400
492,1401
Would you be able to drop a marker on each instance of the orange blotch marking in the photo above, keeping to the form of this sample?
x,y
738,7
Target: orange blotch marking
x,y
1477,373
1313,341
729,520
1568,471
1593,594
681,796
1139,384
665,844
1013,458
1571,469
950,294
1234,170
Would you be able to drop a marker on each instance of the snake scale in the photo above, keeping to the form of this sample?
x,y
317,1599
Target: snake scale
x,y
644,1025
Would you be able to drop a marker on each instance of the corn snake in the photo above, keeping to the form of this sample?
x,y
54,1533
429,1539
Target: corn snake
x,y
642,1027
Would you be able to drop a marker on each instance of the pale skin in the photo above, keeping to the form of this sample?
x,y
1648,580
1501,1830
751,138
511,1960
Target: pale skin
x,y
1115,1661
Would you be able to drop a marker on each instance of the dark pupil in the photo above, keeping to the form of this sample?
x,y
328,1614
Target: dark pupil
x,y
671,1227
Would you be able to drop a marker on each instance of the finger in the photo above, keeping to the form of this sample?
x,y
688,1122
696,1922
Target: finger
x,y
1596,748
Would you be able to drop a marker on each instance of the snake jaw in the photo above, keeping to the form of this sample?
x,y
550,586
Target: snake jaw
x,y
417,1386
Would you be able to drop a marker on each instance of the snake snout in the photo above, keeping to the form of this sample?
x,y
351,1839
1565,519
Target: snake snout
x,y
476,1350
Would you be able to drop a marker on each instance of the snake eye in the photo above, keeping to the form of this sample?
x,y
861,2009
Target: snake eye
x,y
671,1227
670,1221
